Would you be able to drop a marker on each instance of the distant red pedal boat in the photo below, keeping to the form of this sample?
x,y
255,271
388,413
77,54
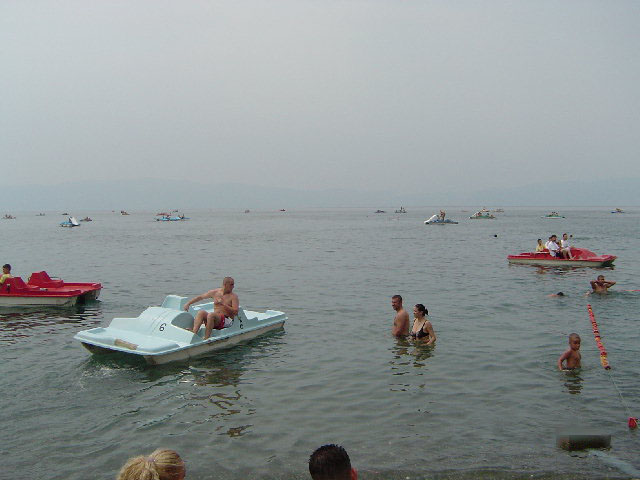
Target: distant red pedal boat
x,y
581,258
42,290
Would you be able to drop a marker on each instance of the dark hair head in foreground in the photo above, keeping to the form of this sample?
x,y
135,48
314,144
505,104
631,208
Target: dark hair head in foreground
x,y
331,462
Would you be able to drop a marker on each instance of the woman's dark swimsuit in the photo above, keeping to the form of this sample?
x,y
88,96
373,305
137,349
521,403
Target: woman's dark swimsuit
x,y
420,333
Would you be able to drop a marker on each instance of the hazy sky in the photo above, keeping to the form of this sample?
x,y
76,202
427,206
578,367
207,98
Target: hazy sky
x,y
394,94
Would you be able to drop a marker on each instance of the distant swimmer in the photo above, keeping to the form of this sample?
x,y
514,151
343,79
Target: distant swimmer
x,y
600,285
401,320
571,357
559,294
225,307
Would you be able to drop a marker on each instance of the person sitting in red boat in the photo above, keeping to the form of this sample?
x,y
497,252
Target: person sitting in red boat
x,y
553,247
6,273
540,247
565,247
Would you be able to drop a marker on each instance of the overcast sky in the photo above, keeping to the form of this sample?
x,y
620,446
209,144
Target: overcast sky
x,y
393,94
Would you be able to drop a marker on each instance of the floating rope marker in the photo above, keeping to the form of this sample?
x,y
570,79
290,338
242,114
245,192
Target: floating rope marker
x,y
633,422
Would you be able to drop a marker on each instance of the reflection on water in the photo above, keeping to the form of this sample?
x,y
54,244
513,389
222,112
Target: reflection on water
x,y
16,323
573,383
408,354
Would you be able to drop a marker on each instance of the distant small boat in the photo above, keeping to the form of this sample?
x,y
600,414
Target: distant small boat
x,y
8,217
40,215
247,211
282,210
65,213
617,210
72,222
379,211
499,210
435,220
171,218
553,215
482,214
122,212
86,219
41,289
402,210
581,258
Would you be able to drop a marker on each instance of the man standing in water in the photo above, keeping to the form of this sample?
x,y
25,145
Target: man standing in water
x,y
225,307
600,285
401,320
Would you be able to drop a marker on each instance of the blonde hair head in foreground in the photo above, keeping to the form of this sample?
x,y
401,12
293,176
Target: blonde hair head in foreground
x,y
162,464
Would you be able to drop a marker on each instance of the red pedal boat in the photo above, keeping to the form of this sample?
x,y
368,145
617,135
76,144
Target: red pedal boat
x,y
44,290
581,258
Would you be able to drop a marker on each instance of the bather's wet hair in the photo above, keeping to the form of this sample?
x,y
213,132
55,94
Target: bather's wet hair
x,y
422,308
398,297
574,335
330,462
162,464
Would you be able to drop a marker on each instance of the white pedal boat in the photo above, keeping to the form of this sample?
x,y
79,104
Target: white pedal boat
x,y
163,334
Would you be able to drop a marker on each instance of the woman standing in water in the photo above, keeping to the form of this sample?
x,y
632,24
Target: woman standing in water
x,y
163,464
422,328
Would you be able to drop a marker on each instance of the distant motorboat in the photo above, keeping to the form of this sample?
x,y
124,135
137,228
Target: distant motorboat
x,y
65,213
8,217
282,210
86,219
40,215
122,212
379,211
247,211
402,210
70,223
553,215
617,210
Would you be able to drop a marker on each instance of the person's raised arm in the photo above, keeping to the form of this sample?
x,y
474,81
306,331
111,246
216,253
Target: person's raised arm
x,y
197,299
593,284
610,284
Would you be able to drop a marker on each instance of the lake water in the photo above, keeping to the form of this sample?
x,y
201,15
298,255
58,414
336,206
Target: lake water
x,y
484,403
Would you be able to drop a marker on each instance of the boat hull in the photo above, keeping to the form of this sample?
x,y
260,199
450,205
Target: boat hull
x,y
37,301
560,263
581,258
162,335
42,290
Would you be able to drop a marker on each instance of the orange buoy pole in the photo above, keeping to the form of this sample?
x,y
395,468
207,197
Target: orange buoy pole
x,y
633,422
596,333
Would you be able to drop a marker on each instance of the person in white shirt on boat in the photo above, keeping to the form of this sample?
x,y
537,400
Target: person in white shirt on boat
x,y
225,307
553,247
566,248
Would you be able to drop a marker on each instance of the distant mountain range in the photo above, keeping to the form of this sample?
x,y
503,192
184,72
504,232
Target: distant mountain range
x,y
149,194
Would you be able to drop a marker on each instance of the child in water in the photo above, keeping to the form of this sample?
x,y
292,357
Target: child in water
x,y
572,356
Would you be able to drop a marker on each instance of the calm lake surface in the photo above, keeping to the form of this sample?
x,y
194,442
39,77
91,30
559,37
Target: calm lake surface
x,y
484,403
